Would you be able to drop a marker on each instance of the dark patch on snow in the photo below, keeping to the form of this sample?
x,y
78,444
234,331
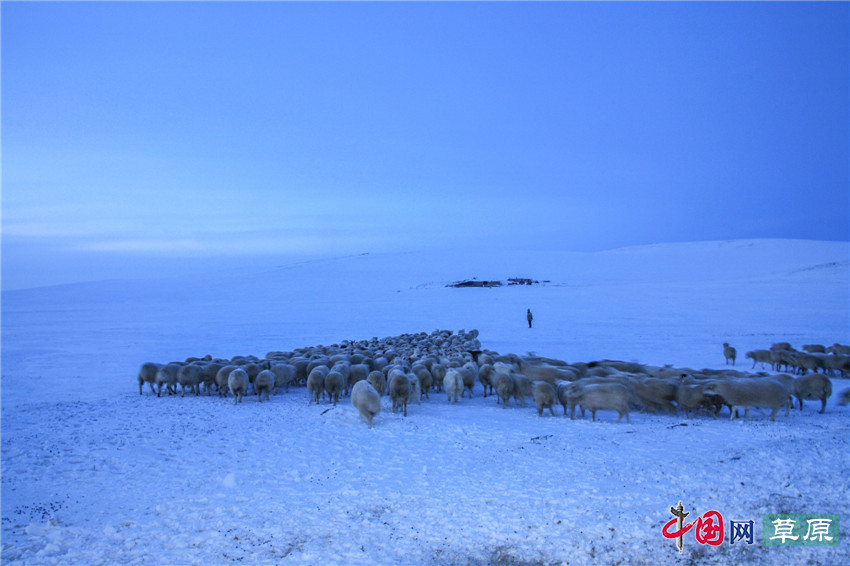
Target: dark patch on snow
x,y
510,282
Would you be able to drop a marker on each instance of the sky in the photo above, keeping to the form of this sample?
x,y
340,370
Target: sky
x,y
142,138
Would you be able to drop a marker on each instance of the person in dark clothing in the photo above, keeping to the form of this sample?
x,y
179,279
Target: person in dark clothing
x,y
529,317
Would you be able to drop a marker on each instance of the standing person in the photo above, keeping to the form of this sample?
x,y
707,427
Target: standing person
x,y
529,317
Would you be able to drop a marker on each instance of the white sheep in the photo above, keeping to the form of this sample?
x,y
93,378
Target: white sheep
x,y
357,372
237,382
761,357
316,383
523,387
415,390
284,374
366,400
264,383
468,373
221,379
484,373
544,397
691,397
769,393
505,388
399,389
378,380
147,374
603,396
167,375
426,380
453,384
208,373
334,385
812,387
653,393
190,376
344,369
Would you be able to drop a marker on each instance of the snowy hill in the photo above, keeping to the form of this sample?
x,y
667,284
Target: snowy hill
x,y
92,472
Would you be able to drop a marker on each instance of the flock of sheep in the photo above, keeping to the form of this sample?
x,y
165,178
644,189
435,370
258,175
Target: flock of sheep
x,y
411,366
814,357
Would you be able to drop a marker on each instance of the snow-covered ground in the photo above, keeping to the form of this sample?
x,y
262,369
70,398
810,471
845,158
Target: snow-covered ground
x,y
94,473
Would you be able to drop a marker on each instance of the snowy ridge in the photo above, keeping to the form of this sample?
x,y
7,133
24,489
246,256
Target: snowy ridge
x,y
94,473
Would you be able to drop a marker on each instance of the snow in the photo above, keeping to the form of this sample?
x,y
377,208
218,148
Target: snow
x,y
94,473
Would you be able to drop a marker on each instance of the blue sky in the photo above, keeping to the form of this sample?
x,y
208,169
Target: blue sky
x,y
139,136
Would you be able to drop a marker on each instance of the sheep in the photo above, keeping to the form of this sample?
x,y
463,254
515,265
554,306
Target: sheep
x,y
838,362
783,357
252,369
426,380
768,393
366,400
653,394
208,373
415,390
300,364
839,349
812,387
313,364
564,389
334,385
760,356
167,375
377,380
316,383
357,372
221,379
468,373
844,398
603,396
507,387
237,382
814,348
729,353
399,388
806,362
344,369
523,387
484,373
692,397
438,373
544,397
189,376
453,384
546,372
284,374
147,374
264,383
